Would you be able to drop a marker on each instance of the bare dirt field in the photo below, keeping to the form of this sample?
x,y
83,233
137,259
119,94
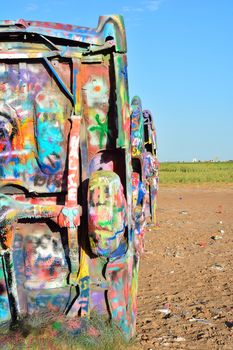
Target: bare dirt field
x,y
186,273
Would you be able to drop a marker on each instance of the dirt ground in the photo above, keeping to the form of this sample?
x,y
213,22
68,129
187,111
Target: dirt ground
x,y
186,273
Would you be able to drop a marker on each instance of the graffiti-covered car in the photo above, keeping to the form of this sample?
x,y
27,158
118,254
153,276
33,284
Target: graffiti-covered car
x,y
151,163
145,165
69,239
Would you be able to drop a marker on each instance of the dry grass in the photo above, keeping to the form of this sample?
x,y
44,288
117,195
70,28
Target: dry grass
x,y
53,332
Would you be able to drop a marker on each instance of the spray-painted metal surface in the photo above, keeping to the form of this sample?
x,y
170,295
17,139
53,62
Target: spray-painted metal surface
x,y
145,167
138,175
69,239
151,163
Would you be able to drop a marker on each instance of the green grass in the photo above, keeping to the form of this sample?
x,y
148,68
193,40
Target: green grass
x,y
53,332
196,173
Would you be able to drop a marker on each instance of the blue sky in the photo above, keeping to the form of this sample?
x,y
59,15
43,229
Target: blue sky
x,y
180,56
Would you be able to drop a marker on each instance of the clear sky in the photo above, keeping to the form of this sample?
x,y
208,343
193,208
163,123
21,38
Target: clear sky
x,y
180,55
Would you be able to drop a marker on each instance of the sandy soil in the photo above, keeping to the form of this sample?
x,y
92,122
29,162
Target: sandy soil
x,y
186,274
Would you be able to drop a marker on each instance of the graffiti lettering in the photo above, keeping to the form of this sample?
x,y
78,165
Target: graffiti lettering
x,y
74,143
40,180
73,168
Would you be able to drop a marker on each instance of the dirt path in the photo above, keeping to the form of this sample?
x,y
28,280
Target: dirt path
x,y
186,273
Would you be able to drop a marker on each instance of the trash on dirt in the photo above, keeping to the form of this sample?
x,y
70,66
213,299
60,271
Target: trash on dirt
x,y
229,324
179,339
202,244
220,222
217,266
165,310
215,238
167,341
221,231
217,317
184,212
199,320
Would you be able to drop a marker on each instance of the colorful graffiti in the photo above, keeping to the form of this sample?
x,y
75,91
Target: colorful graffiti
x,y
74,172
151,163
107,212
144,162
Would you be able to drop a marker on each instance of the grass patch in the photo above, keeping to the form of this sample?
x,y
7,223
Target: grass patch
x,y
199,173
55,331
